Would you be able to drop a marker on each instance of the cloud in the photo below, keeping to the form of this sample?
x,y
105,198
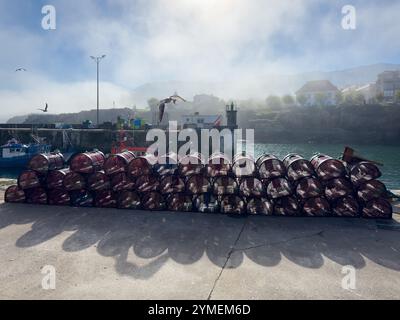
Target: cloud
x,y
240,42
62,98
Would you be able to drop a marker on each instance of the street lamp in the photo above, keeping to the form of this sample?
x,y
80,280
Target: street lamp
x,y
97,59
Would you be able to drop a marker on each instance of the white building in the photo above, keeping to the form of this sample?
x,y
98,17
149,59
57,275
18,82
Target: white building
x,y
319,92
201,121
388,83
368,91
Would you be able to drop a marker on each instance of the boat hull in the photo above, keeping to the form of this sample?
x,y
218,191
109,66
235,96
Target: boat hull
x,y
17,162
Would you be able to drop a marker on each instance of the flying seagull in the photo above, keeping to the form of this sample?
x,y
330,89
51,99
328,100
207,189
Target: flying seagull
x,y
20,69
161,106
45,108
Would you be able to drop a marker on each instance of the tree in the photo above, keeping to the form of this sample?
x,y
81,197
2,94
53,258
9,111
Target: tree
x,y
353,97
153,102
339,98
359,98
153,105
274,102
397,96
380,97
288,100
320,99
349,98
301,99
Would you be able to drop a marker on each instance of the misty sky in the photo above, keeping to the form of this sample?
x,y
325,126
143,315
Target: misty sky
x,y
189,40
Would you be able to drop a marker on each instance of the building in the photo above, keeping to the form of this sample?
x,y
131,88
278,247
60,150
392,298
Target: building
x,y
368,91
201,121
365,94
319,92
387,84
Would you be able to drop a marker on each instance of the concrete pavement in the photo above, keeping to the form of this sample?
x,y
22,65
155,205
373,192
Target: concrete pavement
x,y
109,253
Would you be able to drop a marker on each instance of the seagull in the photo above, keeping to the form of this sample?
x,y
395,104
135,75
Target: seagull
x,y
20,69
161,106
45,108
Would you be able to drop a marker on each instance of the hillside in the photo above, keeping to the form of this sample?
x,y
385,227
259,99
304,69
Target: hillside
x,y
259,88
363,124
77,118
236,89
205,104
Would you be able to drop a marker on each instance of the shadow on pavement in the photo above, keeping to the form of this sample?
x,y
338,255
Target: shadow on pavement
x,y
186,237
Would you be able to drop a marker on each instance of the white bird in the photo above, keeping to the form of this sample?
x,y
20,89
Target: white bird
x,y
161,106
20,69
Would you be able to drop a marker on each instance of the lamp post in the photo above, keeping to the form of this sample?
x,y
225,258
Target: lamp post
x,y
97,59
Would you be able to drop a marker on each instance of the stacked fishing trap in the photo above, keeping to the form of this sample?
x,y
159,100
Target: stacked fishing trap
x,y
294,186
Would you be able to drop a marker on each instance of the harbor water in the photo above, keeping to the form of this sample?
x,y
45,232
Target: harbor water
x,y
388,155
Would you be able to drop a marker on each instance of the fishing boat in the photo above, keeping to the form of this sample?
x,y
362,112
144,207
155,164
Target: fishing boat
x,y
15,154
123,143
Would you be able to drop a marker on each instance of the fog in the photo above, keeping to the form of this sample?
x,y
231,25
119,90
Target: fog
x,y
230,48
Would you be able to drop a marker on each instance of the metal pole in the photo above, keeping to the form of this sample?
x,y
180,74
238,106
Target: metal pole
x,y
97,61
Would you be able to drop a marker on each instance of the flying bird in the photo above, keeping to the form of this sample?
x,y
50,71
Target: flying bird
x,y
45,108
20,69
161,106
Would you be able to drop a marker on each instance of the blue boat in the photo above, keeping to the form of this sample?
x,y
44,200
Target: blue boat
x,y
17,155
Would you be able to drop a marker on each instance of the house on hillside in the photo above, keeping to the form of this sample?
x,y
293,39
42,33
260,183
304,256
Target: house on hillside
x,y
319,92
387,84
363,94
368,91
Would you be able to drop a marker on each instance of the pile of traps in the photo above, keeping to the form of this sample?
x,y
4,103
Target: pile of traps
x,y
319,187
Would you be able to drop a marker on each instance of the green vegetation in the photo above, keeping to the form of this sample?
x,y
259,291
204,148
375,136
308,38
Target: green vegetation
x,y
380,97
397,96
288,100
334,124
353,97
320,99
339,98
273,102
153,102
301,99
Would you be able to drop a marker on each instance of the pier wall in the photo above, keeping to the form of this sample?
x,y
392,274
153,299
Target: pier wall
x,y
88,139
81,139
